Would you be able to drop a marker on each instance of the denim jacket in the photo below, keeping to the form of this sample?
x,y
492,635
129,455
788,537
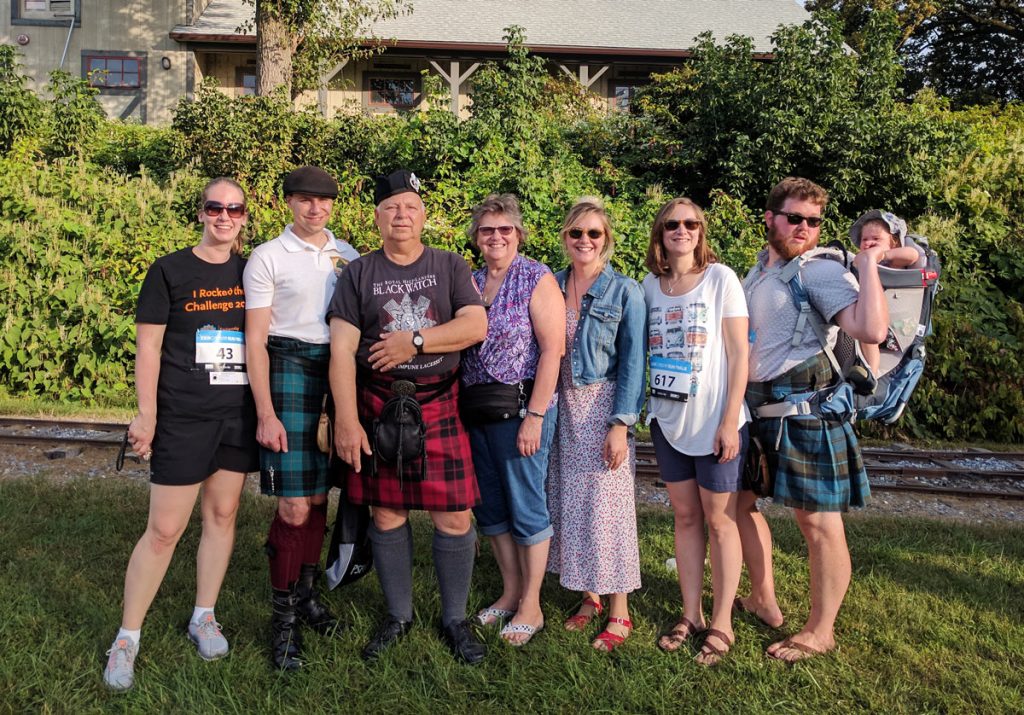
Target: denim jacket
x,y
611,341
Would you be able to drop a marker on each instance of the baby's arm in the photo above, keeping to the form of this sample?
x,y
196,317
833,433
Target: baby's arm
x,y
903,257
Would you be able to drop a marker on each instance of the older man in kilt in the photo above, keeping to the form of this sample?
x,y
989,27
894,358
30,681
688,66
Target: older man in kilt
x,y
288,284
399,317
814,457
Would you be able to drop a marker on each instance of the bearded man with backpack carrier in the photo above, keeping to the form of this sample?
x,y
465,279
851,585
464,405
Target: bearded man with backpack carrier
x,y
803,408
399,318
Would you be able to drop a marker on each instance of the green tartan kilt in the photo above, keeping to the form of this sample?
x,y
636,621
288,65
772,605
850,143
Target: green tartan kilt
x,y
297,389
817,463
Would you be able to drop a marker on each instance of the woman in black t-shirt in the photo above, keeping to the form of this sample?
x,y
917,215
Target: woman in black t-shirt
x,y
196,421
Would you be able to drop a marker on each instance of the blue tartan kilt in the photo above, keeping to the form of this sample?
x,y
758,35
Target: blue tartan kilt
x,y
297,389
817,462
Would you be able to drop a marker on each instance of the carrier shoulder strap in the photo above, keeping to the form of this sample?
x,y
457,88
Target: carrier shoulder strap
x,y
792,275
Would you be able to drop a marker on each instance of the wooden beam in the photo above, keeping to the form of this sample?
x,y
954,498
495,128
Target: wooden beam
x,y
324,81
455,79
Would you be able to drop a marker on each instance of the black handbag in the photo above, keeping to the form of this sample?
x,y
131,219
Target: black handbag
x,y
350,556
493,402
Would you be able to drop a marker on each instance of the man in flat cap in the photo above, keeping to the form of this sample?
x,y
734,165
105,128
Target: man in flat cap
x,y
288,283
399,317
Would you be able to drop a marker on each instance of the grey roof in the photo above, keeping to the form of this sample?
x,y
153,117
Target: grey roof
x,y
650,25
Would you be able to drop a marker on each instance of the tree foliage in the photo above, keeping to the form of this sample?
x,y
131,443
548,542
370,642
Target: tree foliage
x,y
299,40
971,51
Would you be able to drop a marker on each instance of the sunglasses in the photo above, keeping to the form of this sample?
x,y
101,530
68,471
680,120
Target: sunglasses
x,y
214,209
797,219
488,231
594,233
691,224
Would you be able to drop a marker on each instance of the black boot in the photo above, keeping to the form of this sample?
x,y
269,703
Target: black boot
x,y
286,642
309,607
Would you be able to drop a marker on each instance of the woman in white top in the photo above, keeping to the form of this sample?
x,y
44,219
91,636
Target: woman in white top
x,y
697,339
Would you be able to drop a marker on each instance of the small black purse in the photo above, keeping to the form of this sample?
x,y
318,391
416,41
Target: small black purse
x,y
493,402
757,476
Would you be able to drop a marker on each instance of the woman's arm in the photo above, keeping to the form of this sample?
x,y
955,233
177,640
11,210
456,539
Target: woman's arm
x,y
547,315
737,348
149,340
631,354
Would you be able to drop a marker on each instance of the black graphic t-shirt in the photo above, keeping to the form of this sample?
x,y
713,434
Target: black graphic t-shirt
x,y
202,363
379,296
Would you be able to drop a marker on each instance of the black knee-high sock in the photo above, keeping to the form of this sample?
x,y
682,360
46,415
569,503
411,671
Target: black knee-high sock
x,y
453,562
392,558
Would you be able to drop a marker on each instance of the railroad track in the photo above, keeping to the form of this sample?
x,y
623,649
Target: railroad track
x,y
922,472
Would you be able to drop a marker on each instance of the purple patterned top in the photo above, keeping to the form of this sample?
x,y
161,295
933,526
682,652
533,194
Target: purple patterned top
x,y
510,351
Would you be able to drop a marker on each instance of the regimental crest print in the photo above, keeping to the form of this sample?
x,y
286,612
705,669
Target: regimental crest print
x,y
408,314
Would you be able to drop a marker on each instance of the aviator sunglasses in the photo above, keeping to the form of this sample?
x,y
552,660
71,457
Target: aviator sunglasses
x,y
797,219
488,231
594,233
690,224
214,209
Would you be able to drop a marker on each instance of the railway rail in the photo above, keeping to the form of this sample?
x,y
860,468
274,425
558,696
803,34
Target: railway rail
x,y
961,473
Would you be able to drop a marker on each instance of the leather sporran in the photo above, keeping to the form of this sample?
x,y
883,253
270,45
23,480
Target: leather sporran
x,y
493,402
757,477
325,430
399,434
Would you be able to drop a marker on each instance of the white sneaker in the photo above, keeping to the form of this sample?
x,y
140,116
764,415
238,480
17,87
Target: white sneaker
x,y
206,634
120,671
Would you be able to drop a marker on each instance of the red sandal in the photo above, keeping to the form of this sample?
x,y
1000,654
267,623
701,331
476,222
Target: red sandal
x,y
580,620
607,641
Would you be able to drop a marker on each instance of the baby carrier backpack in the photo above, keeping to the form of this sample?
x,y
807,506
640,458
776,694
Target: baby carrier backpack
x,y
909,293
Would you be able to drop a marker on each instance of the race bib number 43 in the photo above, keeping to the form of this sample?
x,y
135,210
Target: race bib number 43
x,y
222,354
670,379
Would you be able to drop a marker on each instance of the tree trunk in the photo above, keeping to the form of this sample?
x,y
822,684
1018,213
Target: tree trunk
x,y
273,50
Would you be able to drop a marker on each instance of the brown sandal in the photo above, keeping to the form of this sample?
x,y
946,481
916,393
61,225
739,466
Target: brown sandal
x,y
712,654
806,651
579,621
681,632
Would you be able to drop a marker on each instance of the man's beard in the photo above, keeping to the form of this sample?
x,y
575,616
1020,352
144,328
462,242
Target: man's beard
x,y
785,250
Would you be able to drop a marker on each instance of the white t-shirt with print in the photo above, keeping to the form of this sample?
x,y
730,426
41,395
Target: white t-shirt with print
x,y
689,327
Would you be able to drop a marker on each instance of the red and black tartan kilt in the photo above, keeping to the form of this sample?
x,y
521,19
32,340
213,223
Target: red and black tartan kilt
x,y
450,482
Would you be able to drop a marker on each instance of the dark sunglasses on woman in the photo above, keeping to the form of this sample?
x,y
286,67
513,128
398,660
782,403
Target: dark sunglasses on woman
x,y
214,209
594,233
690,224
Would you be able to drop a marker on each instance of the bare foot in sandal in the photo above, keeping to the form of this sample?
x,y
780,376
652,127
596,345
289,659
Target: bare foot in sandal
x,y
681,632
716,644
800,647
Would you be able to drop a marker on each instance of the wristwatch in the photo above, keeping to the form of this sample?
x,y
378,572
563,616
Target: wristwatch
x,y
417,342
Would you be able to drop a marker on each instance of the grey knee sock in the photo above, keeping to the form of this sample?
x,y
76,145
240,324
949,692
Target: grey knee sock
x,y
453,561
392,558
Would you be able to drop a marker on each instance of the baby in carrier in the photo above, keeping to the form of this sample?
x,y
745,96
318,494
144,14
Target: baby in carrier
x,y
882,228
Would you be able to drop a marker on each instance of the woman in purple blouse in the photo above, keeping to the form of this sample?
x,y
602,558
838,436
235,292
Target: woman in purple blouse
x,y
510,408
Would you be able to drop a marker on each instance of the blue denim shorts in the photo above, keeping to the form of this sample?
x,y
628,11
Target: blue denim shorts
x,y
706,469
513,497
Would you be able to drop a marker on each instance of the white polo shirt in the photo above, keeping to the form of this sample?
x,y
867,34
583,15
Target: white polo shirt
x,y
295,279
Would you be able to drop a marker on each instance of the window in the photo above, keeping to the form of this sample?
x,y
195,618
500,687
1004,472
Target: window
x,y
45,12
622,95
245,82
392,92
113,72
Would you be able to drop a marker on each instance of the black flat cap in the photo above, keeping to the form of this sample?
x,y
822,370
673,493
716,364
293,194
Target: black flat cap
x,y
397,182
310,180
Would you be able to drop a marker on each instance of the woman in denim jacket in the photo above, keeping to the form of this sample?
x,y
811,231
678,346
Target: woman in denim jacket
x,y
600,391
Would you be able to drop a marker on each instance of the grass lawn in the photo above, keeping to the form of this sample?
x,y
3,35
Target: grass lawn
x,y
934,622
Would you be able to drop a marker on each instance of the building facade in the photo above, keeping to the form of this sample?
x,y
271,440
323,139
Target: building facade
x,y
143,56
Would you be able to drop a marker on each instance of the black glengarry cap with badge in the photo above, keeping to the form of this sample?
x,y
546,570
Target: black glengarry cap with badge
x,y
397,182
312,181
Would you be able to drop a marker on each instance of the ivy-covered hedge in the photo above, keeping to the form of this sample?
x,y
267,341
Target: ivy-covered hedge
x,y
87,203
